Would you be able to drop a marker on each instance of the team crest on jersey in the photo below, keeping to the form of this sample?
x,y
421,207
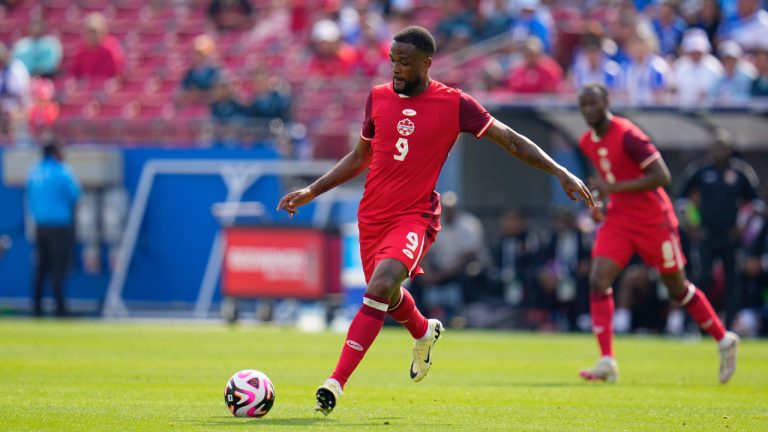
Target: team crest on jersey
x,y
405,127
409,112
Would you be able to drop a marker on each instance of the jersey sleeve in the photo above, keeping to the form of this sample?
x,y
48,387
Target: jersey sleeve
x,y
640,149
473,117
368,131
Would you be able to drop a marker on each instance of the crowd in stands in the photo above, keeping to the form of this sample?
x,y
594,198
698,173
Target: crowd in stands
x,y
170,65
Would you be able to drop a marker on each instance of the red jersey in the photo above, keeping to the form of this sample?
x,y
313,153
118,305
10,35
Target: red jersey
x,y
410,138
622,154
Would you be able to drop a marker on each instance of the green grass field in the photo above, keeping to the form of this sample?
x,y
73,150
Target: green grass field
x,y
170,376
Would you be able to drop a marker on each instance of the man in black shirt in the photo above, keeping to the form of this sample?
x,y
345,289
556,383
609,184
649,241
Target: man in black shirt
x,y
719,188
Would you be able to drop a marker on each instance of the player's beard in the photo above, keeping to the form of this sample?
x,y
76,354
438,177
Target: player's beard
x,y
408,87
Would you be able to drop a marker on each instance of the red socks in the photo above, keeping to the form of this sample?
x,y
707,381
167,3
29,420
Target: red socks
x,y
696,303
601,307
361,334
406,313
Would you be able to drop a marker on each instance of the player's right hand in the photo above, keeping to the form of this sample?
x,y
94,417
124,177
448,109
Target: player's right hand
x,y
295,199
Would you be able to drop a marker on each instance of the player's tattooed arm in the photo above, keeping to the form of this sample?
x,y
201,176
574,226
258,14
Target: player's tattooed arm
x,y
349,167
654,175
527,151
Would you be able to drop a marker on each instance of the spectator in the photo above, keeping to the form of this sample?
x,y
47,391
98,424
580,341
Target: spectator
x,y
734,87
646,75
708,19
455,261
455,26
44,110
357,18
751,29
530,23
100,56
372,54
227,113
760,83
721,186
538,73
271,97
202,74
492,19
331,57
514,258
40,52
669,28
231,15
52,192
591,65
14,96
755,242
697,72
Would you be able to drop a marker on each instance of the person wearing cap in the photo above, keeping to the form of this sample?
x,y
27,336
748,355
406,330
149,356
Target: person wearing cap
x,y
331,56
52,193
733,88
697,71
203,74
100,56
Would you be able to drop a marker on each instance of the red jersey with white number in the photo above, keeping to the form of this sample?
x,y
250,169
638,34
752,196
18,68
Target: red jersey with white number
x,y
622,154
410,139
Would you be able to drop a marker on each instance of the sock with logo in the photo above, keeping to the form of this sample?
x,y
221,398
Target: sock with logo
x,y
601,307
695,302
406,313
362,332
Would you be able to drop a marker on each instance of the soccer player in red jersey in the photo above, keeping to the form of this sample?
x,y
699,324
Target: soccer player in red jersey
x,y
410,125
639,219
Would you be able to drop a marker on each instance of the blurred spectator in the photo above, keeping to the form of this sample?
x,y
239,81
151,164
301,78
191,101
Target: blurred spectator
x,y
563,276
331,56
734,87
455,26
40,52
529,22
14,96
492,19
697,71
514,256
646,75
669,28
271,97
708,19
538,74
44,110
9,5
755,283
100,56
498,67
227,113
455,261
202,74
591,65
52,192
721,186
372,54
751,29
357,18
231,15
760,83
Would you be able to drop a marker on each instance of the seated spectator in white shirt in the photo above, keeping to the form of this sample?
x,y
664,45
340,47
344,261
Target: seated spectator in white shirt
x,y
697,71
734,87
14,95
646,75
752,26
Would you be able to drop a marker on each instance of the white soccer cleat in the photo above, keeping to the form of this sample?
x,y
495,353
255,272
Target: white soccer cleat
x,y
326,395
728,346
606,370
422,351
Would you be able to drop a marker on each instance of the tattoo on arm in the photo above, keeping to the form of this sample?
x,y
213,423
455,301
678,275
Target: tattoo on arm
x,y
522,148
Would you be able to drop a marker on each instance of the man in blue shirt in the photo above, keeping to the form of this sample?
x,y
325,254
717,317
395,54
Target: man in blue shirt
x,y
52,192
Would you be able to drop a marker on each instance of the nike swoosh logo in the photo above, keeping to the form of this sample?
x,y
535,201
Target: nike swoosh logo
x,y
429,353
413,374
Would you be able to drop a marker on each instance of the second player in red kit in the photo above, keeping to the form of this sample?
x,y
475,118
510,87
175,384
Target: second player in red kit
x,y
410,125
640,219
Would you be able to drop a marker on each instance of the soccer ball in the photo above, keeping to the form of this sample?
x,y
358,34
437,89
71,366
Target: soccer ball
x,y
249,393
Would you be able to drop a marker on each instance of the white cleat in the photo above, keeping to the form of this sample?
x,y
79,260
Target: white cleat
x,y
326,395
422,351
728,346
606,370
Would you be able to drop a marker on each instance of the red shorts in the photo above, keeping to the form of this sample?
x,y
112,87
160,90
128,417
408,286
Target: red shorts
x,y
659,246
404,239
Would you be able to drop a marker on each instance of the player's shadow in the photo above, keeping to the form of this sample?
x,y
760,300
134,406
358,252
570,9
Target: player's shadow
x,y
282,421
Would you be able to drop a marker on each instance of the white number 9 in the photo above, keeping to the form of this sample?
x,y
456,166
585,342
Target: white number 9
x,y
402,146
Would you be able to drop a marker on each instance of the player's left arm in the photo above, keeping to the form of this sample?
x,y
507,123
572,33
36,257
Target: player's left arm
x,y
521,147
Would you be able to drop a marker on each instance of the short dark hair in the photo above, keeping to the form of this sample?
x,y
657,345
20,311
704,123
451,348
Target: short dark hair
x,y
596,88
419,37
51,148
